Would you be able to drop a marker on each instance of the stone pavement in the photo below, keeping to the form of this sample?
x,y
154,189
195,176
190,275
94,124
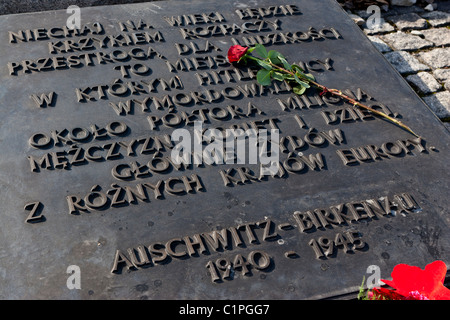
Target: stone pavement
x,y
417,43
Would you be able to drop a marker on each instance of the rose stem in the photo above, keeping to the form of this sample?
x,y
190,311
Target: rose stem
x,y
353,101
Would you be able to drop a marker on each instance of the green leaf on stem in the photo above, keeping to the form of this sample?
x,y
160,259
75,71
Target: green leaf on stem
x,y
264,64
273,57
300,82
279,76
299,90
289,77
310,76
263,77
300,72
286,64
261,50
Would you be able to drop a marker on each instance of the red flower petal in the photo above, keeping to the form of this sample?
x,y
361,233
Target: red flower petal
x,y
236,52
428,282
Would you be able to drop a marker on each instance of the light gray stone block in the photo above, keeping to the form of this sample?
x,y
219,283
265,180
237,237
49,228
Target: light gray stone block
x,y
439,103
436,58
379,44
430,7
409,21
437,18
424,82
404,62
442,74
405,3
406,41
357,19
439,36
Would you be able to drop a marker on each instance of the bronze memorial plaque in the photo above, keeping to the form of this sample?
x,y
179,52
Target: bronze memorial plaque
x,y
137,162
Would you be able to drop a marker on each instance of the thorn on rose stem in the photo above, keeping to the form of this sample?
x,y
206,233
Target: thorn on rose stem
x,y
324,91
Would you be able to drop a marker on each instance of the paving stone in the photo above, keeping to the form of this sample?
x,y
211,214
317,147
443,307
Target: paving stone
x,y
384,27
357,19
406,41
424,82
379,44
417,33
431,7
439,36
442,74
363,13
404,62
439,103
437,18
436,58
447,85
408,21
406,3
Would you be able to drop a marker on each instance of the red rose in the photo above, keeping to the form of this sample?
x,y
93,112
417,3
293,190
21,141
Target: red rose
x,y
236,52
